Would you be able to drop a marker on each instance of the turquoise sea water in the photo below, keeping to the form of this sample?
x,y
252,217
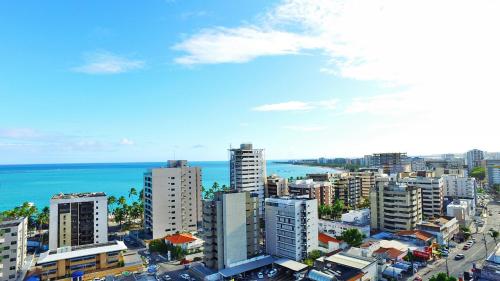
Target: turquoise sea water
x,y
37,183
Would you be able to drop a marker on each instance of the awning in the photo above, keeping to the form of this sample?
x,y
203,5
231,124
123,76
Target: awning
x,y
291,264
319,276
251,265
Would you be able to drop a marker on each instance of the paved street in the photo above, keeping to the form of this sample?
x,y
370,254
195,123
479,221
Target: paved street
x,y
476,254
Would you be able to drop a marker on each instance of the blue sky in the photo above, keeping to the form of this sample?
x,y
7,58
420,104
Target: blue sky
x,y
109,81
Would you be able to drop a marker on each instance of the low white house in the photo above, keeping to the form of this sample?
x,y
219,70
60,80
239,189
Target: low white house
x,y
336,228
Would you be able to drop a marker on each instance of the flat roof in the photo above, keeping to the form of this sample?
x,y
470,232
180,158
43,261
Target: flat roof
x,y
354,262
291,264
78,195
75,252
247,266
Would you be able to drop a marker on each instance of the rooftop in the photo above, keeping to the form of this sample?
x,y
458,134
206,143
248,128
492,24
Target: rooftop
x,y
350,261
324,238
181,238
437,222
247,265
11,222
291,264
80,251
392,253
78,195
419,234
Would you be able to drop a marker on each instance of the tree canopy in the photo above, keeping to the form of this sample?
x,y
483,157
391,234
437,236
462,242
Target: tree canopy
x,y
352,237
478,173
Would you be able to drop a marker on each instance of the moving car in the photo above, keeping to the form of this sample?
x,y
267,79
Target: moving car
x,y
459,256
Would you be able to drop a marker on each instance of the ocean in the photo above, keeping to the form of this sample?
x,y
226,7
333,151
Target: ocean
x,y
37,183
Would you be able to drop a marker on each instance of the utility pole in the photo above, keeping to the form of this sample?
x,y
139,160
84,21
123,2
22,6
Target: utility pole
x,y
485,247
447,269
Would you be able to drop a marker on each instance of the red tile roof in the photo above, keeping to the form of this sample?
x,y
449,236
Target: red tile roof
x,y
392,253
419,234
323,238
180,238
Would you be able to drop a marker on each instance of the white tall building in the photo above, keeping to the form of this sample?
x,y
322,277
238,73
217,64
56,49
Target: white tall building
x,y
172,199
248,170
461,209
78,219
291,227
460,187
13,242
474,158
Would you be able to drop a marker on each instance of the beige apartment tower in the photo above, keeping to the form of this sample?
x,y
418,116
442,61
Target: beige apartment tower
x,y
172,199
231,228
395,206
276,186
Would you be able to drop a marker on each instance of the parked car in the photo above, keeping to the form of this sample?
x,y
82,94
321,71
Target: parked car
x,y
459,256
185,276
466,247
260,275
273,272
166,277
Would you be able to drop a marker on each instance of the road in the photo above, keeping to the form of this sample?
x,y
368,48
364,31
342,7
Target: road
x,y
476,254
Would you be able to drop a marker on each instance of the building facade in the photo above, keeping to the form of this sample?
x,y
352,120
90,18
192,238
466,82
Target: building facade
x,y
276,186
492,168
97,261
172,199
247,170
231,229
456,187
78,219
432,192
461,210
291,227
395,206
322,191
367,181
347,188
13,244
474,158
442,228
391,163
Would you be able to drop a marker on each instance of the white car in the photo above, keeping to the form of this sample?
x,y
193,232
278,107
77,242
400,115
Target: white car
x,y
166,278
272,273
260,275
185,276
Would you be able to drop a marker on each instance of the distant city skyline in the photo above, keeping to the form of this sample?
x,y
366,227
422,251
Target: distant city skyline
x,y
127,81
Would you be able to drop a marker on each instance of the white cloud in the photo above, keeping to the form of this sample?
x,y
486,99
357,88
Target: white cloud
x,y
242,44
305,128
284,106
19,133
108,63
297,106
126,141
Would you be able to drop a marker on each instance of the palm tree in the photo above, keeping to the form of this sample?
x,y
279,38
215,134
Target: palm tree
x,y
42,219
494,234
132,191
122,201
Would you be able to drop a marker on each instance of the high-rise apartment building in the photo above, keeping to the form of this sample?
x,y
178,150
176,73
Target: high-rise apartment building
x,y
247,168
391,163
395,206
13,243
231,229
367,181
456,187
347,187
276,186
291,227
432,192
474,158
172,199
78,219
492,168
322,191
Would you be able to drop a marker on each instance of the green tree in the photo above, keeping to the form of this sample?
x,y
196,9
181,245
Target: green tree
x,y
365,203
119,215
42,220
337,209
322,210
122,201
478,173
352,237
442,277
111,202
132,191
494,234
